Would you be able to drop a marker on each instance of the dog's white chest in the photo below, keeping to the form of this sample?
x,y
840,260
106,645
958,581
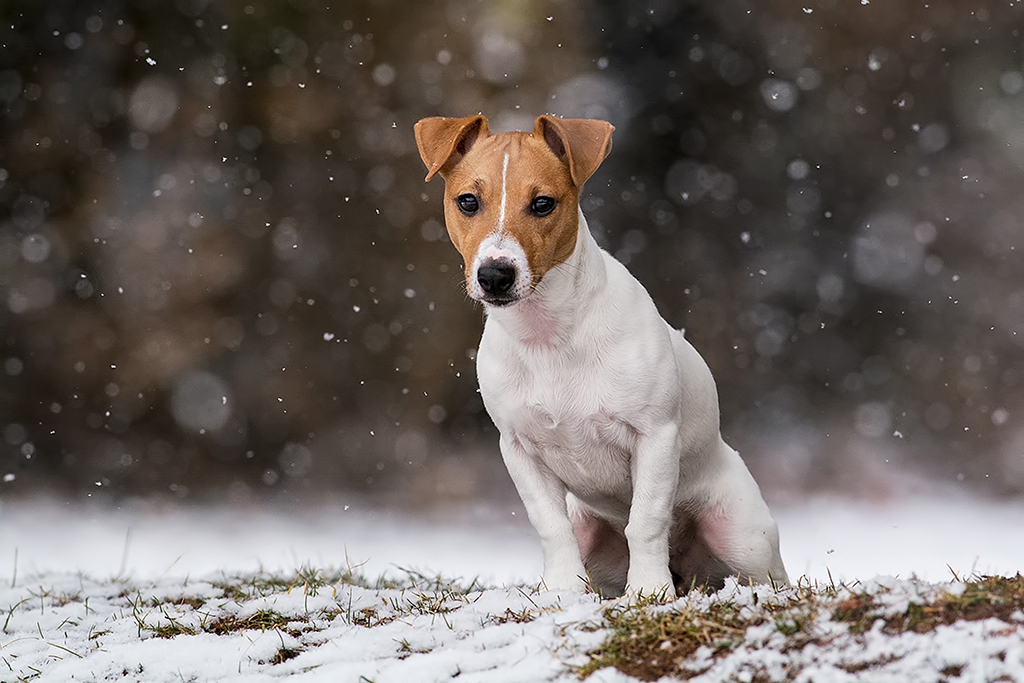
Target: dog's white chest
x,y
565,416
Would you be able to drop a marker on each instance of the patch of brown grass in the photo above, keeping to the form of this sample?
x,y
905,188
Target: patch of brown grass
x,y
648,645
987,597
264,620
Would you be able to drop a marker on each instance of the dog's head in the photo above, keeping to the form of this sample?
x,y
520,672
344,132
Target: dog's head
x,y
511,199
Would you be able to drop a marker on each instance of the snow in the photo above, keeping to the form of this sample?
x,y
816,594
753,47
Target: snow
x,y
923,537
81,585
143,541
821,538
80,629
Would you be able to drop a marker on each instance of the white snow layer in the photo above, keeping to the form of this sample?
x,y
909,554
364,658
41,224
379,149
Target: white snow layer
x,y
81,589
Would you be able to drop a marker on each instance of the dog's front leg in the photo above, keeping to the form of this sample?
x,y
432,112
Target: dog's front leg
x,y
655,470
543,496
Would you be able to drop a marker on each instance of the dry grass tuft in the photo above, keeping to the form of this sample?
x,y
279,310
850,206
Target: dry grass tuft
x,y
986,597
650,640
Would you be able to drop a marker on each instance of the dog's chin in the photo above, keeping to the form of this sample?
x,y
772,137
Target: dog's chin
x,y
500,301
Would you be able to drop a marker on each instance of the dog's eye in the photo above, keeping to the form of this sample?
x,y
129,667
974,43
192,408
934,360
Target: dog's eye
x,y
542,205
467,203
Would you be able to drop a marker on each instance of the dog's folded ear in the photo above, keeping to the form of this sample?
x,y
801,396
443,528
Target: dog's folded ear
x,y
444,141
581,144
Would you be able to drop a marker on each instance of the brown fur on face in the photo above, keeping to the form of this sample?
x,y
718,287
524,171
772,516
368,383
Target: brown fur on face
x,y
554,160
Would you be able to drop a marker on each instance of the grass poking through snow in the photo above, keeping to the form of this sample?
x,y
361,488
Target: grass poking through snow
x,y
852,628
340,624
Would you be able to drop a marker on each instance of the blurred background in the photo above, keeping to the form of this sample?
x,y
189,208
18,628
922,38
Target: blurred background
x,y
223,278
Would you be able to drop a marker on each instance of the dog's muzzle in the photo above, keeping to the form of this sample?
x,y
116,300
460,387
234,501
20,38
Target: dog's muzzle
x,y
497,278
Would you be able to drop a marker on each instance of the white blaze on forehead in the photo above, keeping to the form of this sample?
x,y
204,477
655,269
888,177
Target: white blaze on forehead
x,y
498,250
504,193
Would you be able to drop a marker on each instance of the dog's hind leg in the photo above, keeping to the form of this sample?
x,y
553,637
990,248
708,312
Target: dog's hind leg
x,y
692,563
603,549
739,530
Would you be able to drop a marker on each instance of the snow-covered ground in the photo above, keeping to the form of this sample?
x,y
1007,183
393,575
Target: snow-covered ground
x,y
848,540
83,588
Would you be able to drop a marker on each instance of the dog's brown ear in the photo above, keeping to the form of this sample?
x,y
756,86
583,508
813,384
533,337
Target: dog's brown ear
x,y
443,141
582,144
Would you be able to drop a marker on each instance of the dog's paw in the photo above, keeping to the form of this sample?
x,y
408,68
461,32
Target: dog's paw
x,y
564,581
656,584
659,593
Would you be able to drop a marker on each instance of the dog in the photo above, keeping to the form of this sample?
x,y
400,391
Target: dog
x,y
608,417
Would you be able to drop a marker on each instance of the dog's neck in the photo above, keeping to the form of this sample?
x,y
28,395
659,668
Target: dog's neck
x,y
554,310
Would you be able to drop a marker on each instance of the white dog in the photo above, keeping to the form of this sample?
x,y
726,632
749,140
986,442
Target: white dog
x,y
608,417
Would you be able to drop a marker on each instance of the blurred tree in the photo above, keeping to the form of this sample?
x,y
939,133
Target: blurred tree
x,y
832,214
220,270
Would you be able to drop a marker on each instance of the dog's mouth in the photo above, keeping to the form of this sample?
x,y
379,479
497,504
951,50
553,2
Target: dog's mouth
x,y
500,301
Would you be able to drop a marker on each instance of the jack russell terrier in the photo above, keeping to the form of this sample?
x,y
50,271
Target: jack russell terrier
x,y
608,416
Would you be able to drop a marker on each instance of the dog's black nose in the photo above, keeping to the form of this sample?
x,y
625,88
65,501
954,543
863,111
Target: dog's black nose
x,y
496,278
